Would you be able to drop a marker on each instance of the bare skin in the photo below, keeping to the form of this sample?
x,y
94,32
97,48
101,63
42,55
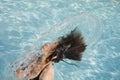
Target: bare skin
x,y
34,70
48,73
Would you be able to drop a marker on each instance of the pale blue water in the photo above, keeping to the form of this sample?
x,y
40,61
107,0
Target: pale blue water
x,y
22,22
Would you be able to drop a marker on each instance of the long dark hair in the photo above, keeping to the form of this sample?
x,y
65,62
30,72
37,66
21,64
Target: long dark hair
x,y
71,47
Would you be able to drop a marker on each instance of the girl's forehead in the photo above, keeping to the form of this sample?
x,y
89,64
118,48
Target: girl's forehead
x,y
49,47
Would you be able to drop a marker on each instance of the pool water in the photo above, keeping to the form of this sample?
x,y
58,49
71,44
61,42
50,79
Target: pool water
x,y
28,23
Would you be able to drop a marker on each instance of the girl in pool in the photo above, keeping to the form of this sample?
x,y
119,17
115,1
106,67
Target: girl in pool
x,y
71,47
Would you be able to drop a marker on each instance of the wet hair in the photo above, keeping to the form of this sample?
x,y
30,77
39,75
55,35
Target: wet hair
x,y
71,47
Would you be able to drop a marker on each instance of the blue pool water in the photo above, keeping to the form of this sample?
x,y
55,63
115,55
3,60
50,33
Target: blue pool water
x,y
28,23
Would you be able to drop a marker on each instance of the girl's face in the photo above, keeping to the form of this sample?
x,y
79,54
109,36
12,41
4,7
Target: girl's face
x,y
49,48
